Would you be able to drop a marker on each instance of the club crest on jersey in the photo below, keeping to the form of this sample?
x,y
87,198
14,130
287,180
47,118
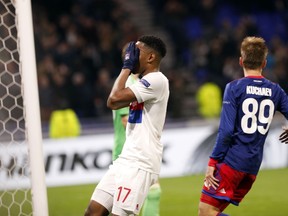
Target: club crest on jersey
x,y
145,83
135,112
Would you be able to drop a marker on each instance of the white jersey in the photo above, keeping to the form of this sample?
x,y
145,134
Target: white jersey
x,y
143,148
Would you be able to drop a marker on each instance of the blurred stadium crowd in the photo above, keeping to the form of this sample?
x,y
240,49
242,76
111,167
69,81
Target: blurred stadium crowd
x,y
78,48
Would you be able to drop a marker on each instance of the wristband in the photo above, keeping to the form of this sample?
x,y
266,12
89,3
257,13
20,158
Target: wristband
x,y
212,162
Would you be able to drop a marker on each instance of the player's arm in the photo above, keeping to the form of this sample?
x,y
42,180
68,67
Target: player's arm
x,y
284,110
226,126
123,113
210,180
124,120
121,96
224,136
284,135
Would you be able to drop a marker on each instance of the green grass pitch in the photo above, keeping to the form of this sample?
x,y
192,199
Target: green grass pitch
x,y
180,196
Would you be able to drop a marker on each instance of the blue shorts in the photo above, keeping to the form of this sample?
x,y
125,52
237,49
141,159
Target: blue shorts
x,y
233,186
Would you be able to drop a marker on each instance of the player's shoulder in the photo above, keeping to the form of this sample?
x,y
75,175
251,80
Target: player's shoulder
x,y
245,83
234,83
250,80
154,78
156,74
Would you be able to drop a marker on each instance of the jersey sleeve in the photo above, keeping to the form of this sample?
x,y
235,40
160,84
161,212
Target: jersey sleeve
x,y
283,105
148,88
227,124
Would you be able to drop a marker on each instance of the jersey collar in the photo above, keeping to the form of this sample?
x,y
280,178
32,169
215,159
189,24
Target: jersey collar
x,y
255,77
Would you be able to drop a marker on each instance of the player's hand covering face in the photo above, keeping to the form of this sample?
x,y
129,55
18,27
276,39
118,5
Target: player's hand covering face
x,y
131,57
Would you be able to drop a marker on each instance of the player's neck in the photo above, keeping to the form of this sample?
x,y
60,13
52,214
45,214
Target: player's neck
x,y
150,70
252,72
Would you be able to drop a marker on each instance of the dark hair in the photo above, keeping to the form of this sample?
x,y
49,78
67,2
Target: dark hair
x,y
155,43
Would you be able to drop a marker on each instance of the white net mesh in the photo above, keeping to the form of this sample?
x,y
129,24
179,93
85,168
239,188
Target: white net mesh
x,y
15,193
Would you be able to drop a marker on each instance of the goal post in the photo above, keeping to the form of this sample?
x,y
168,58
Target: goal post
x,y
31,106
20,122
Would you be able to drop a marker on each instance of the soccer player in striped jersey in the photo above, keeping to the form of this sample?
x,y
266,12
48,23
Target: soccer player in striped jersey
x,y
249,105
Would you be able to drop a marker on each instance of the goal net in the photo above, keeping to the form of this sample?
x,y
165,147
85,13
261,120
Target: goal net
x,y
22,176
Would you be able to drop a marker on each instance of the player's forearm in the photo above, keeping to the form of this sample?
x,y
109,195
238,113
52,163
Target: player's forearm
x,y
212,162
219,151
225,134
117,99
121,80
114,105
221,147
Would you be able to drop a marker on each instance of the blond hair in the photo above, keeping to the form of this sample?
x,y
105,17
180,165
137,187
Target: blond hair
x,y
253,52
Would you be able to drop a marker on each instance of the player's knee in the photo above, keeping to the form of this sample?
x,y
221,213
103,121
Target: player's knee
x,y
206,210
201,210
95,209
88,211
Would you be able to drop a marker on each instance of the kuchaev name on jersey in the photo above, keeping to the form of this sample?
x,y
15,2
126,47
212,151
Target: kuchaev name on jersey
x,y
258,91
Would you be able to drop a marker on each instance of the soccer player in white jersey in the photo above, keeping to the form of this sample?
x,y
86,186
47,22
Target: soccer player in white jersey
x,y
124,187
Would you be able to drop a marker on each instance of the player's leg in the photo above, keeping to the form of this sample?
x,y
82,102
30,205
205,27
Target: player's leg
x,y
205,209
100,204
96,209
213,202
210,206
151,205
102,198
243,187
132,188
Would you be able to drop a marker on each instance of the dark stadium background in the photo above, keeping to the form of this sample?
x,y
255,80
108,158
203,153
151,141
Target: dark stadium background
x,y
78,45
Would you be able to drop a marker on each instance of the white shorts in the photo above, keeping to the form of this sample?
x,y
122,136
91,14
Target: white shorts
x,y
123,189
